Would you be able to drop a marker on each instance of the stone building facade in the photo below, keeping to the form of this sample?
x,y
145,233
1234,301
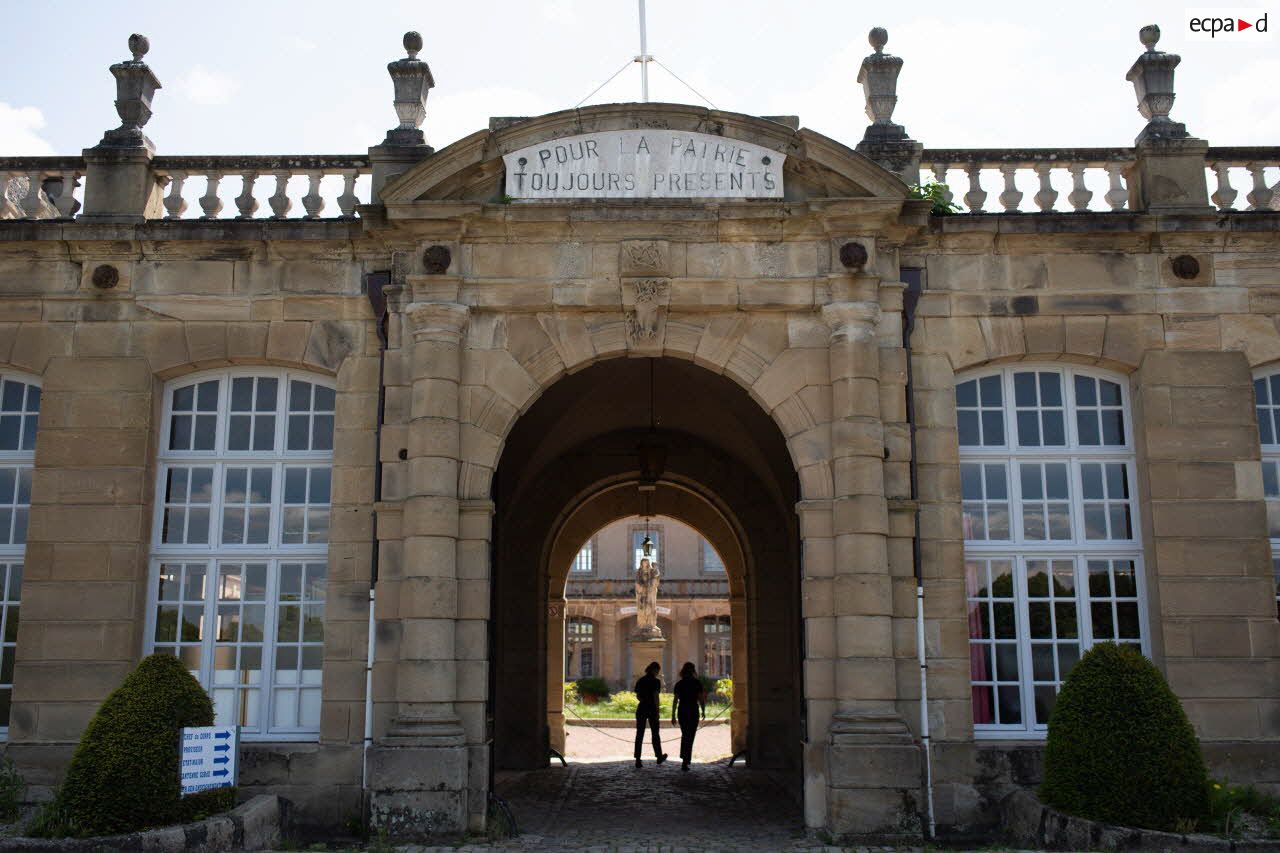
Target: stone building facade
x,y
286,445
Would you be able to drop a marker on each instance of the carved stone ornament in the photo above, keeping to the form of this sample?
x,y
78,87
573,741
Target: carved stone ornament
x,y
555,609
105,277
1185,267
436,260
644,257
853,255
650,297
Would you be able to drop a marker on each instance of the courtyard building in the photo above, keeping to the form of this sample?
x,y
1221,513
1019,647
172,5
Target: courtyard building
x,y
365,440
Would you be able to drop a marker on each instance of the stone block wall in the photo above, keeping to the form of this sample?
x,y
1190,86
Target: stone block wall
x,y
102,358
1014,291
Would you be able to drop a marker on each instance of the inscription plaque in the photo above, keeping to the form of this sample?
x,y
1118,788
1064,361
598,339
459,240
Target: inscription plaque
x,y
649,163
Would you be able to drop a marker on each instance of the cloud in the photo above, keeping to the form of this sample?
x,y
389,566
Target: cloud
x,y
300,43
208,88
19,131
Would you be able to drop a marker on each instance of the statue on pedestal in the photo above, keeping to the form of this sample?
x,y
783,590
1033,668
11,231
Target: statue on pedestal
x,y
647,579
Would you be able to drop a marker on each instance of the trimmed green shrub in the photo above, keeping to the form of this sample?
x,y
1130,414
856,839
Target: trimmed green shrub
x,y
124,774
593,686
1120,747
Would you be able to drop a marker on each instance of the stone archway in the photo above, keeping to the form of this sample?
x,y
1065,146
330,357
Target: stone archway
x,y
573,461
684,503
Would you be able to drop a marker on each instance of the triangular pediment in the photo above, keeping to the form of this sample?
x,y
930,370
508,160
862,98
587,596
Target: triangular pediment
x,y
776,159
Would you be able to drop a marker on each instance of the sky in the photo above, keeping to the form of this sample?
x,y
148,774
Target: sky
x,y
277,77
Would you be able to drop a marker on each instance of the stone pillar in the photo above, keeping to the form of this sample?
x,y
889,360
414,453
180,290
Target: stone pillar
x,y
85,580
607,652
405,144
1209,582
738,635
419,771
120,185
555,671
872,763
644,652
471,647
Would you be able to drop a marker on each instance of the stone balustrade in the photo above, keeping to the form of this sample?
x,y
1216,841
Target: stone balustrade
x,y
264,187
1258,168
625,588
1052,179
40,187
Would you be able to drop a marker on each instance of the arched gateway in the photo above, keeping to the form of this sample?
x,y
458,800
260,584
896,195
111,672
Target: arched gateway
x,y
339,464
597,339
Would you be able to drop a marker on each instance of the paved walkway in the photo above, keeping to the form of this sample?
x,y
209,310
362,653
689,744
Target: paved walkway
x,y
612,804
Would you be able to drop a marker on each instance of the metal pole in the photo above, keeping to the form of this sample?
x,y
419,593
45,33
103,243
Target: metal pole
x,y
643,59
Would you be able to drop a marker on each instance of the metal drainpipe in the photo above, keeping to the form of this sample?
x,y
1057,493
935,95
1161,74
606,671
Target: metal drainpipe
x,y
910,298
375,288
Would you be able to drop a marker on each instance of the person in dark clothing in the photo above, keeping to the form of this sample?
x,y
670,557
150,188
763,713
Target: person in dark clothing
x,y
689,706
647,690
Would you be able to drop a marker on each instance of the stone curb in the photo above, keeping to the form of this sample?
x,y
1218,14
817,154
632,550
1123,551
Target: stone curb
x,y
254,825
1030,823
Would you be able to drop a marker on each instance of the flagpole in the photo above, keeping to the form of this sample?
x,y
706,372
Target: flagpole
x,y
643,59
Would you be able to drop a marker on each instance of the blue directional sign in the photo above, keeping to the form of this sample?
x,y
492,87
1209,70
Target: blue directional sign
x,y
209,758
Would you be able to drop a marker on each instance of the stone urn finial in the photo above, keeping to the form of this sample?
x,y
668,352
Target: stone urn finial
x,y
878,37
879,78
1152,79
135,86
412,80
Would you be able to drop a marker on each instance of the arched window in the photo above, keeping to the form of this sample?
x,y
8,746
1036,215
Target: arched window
x,y
19,414
1266,391
1053,560
240,543
580,648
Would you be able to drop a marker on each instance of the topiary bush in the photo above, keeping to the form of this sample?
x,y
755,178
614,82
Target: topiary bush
x,y
1120,747
593,686
124,774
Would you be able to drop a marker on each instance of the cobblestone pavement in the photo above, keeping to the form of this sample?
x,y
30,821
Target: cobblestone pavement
x,y
614,805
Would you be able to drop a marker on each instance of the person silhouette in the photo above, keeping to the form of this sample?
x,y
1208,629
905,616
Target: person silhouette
x,y
647,690
689,705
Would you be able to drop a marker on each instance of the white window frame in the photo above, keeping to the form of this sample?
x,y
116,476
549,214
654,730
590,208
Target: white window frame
x,y
14,555
1078,549
213,554
1270,462
633,548
592,550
